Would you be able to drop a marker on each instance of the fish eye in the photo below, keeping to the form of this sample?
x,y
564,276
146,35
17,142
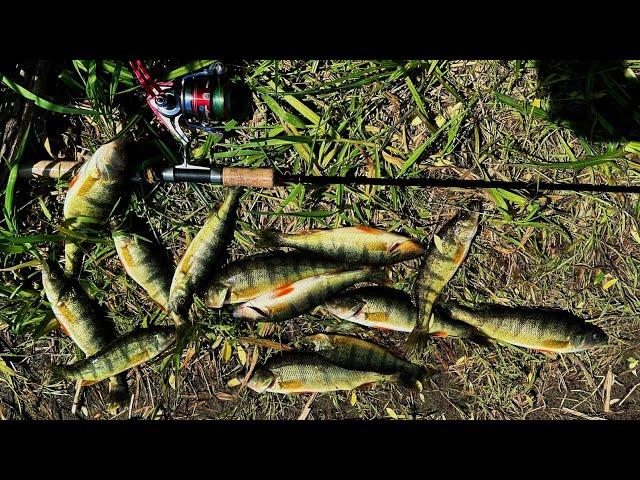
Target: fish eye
x,y
53,276
595,336
181,300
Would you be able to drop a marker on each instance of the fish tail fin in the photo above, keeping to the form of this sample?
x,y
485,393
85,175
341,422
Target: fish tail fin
x,y
118,392
58,372
269,238
381,275
417,339
72,259
405,379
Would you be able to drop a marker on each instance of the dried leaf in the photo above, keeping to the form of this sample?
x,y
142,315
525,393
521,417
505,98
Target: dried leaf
x,y
226,351
395,161
217,343
234,382
172,381
391,413
438,243
225,397
609,283
242,355
354,398
188,356
461,360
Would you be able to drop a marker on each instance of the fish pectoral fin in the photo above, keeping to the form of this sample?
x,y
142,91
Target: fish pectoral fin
x,y
554,346
548,353
260,311
357,308
86,383
366,386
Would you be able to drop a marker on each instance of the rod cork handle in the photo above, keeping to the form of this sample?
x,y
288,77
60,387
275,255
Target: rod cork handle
x,y
248,177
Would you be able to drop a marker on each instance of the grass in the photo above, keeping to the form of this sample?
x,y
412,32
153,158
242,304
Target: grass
x,y
463,119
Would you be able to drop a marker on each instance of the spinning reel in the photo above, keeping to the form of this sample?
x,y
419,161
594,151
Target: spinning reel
x,y
199,101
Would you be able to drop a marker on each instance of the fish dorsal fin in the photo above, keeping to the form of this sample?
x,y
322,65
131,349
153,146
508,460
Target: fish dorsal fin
x,y
369,230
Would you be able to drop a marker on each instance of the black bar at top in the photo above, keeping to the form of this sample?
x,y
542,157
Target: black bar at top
x,y
455,183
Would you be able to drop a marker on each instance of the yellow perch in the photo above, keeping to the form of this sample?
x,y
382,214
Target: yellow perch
x,y
297,372
539,329
357,245
93,194
253,276
203,255
438,267
144,263
299,297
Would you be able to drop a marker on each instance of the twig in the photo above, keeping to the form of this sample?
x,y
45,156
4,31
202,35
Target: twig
x,y
307,408
76,399
608,382
629,394
580,414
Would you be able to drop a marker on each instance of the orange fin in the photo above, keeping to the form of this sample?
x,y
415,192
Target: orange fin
x,y
371,230
440,334
86,383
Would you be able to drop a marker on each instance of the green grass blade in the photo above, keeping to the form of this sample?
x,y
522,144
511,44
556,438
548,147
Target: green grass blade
x,y
42,103
578,164
188,68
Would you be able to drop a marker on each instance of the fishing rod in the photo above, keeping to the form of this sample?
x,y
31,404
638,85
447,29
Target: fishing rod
x,y
205,99
269,178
